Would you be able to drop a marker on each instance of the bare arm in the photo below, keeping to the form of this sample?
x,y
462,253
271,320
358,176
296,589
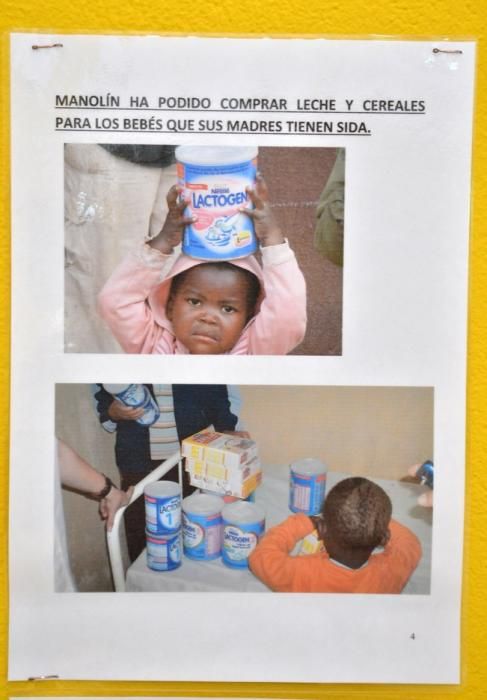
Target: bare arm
x,y
77,474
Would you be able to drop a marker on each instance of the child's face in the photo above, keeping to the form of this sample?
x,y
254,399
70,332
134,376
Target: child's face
x,y
209,309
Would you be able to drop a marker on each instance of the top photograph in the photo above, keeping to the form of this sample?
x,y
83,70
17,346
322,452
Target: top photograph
x,y
204,250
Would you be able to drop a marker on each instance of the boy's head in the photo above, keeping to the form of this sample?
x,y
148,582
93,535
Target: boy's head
x,y
210,304
356,516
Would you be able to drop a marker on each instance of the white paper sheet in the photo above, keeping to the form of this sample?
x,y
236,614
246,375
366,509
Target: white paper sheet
x,y
404,323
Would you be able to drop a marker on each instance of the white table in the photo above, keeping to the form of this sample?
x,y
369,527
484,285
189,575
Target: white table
x,y
273,496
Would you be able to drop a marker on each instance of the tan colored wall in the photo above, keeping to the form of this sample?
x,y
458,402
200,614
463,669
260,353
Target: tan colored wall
x,y
362,430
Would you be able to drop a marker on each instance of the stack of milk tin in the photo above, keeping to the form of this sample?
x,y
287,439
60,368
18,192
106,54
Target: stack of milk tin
x,y
202,525
163,525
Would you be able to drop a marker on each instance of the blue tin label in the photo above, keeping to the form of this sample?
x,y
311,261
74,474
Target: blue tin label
x,y
139,396
151,410
306,492
162,514
202,536
163,553
238,542
215,194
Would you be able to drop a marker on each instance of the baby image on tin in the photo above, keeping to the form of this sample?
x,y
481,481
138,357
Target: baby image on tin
x,y
203,249
211,497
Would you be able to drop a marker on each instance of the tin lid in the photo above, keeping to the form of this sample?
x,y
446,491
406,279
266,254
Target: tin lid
x,y
116,388
242,512
215,155
202,504
309,466
162,489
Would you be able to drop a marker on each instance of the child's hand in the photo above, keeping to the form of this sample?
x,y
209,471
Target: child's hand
x,y
118,411
172,231
266,227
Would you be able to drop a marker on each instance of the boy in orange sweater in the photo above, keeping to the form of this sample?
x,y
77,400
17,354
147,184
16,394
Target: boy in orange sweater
x,y
356,519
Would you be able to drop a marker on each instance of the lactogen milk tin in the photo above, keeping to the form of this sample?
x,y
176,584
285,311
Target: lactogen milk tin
x,y
163,551
215,179
307,484
202,526
243,525
162,507
136,396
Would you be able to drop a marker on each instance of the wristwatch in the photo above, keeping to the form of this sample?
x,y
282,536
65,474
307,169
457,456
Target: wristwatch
x,y
105,490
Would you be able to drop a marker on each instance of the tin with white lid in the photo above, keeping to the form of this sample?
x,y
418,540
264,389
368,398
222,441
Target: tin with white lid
x,y
243,526
162,507
136,396
215,181
307,486
202,526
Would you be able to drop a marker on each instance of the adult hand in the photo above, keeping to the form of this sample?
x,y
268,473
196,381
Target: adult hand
x,y
112,502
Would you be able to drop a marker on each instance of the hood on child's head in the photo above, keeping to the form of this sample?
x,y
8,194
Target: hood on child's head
x,y
158,297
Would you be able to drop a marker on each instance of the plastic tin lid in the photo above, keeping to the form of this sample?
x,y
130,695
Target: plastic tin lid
x,y
162,489
308,466
202,504
215,155
242,512
115,388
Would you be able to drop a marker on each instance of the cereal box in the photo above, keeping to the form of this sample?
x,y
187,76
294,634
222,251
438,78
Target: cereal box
x,y
238,481
218,448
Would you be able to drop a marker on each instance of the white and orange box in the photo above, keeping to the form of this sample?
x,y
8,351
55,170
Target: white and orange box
x,y
224,464
218,448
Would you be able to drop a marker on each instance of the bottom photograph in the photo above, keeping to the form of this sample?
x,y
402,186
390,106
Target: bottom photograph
x,y
250,488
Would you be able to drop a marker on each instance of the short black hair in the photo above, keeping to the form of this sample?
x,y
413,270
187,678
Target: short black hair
x,y
357,512
251,282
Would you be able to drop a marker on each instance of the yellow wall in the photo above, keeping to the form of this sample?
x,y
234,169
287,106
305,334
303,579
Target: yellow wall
x,y
356,17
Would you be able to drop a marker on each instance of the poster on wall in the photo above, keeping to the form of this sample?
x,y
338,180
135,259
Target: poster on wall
x,y
239,297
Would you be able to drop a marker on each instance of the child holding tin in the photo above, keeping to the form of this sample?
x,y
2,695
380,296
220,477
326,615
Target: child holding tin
x,y
364,550
162,301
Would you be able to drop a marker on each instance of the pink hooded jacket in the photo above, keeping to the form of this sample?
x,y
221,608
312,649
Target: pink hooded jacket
x,y
133,302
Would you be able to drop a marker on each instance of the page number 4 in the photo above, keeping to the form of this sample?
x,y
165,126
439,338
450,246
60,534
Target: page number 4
x,y
412,636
